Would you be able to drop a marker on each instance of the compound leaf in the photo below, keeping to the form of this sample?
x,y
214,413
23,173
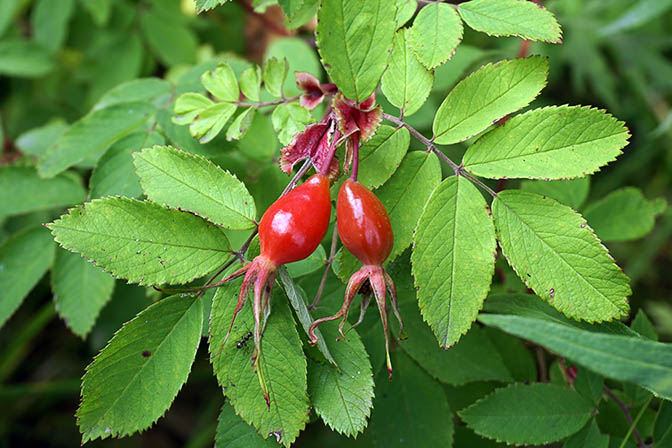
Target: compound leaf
x,y
134,379
470,107
453,258
175,178
142,241
22,191
557,142
624,215
354,39
520,18
281,358
533,414
406,83
80,289
435,34
92,135
555,253
342,396
24,259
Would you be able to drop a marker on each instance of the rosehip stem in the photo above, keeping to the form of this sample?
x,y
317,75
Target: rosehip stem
x,y
324,169
292,183
330,260
355,157
268,103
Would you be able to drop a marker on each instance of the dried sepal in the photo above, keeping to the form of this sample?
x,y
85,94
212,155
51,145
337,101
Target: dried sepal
x,y
315,92
363,118
315,141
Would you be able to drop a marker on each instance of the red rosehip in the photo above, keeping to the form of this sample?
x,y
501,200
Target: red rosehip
x,y
290,230
365,229
363,224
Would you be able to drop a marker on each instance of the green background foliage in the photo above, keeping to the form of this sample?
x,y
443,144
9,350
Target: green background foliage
x,y
146,134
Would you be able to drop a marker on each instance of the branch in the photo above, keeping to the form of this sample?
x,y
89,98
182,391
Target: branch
x,y
626,412
267,103
459,171
330,260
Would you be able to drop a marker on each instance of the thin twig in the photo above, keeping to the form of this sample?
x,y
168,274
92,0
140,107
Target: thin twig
x,y
626,412
268,103
425,141
330,260
297,176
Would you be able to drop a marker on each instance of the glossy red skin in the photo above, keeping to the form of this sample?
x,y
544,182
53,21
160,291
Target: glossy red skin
x,y
363,224
293,227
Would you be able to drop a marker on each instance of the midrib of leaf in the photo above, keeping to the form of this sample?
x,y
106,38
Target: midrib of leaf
x,y
560,256
436,33
198,191
405,101
149,360
340,394
552,335
510,87
137,240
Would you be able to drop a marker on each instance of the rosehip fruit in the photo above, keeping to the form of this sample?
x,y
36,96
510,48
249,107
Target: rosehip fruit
x,y
365,229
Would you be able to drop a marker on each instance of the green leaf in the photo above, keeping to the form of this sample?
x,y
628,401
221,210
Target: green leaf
x,y
453,258
142,241
80,289
643,325
188,106
22,191
354,39
297,299
555,253
241,124
473,358
36,141
589,384
529,305
8,9
411,409
211,121
624,215
300,56
92,135
250,82
170,40
516,356
24,259
638,14
520,18
275,72
206,5
406,83
380,157
528,414
190,182
24,58
557,142
569,192
298,12
221,83
134,379
406,193
281,358
468,109
290,119
342,396
662,431
233,432
140,90
100,10
115,174
624,358
435,34
50,22
405,11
